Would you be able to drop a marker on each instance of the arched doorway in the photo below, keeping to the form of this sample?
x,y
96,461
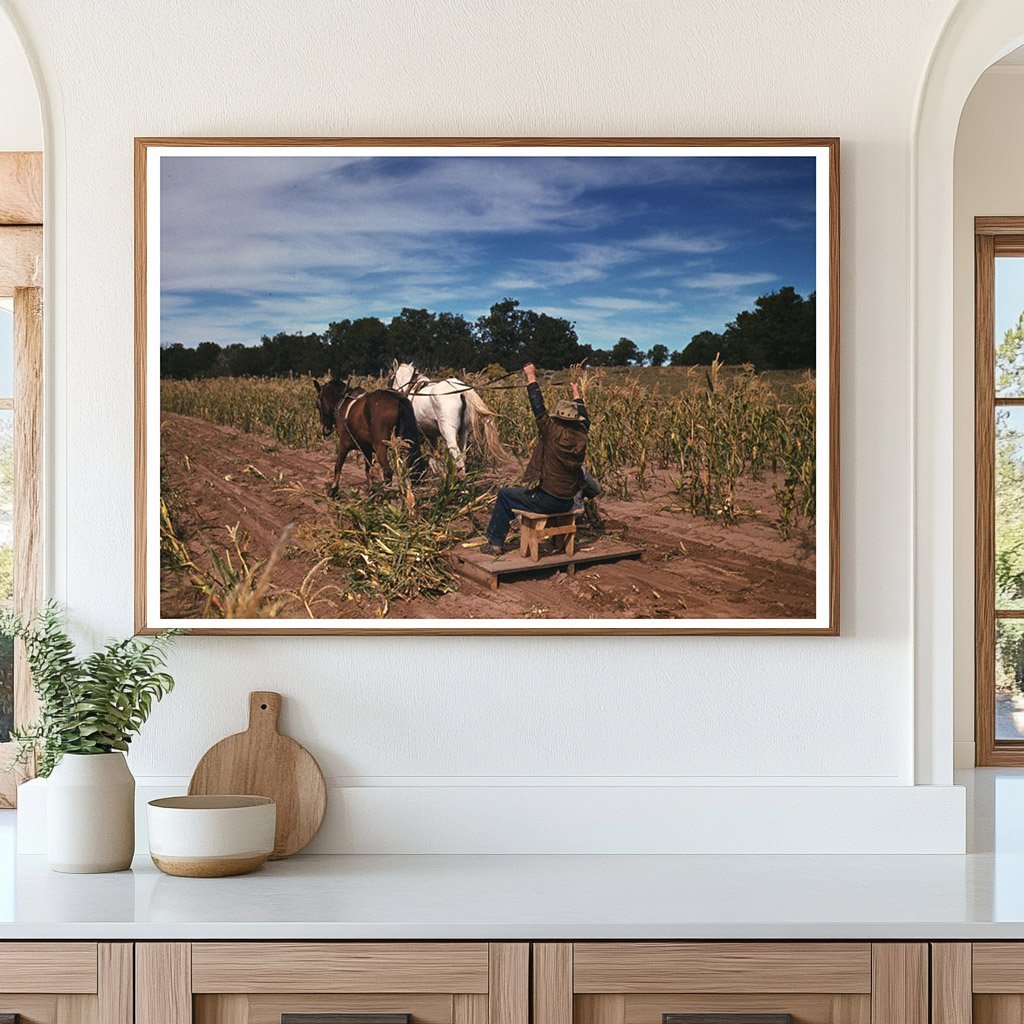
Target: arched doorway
x,y
977,33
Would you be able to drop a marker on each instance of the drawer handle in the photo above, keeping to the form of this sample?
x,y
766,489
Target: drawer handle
x,y
340,1018
727,1018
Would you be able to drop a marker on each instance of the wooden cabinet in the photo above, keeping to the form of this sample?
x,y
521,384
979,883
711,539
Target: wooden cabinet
x,y
739,983
494,983
66,982
978,983
266,982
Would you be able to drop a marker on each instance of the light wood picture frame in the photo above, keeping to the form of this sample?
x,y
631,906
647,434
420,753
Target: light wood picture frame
x,y
294,262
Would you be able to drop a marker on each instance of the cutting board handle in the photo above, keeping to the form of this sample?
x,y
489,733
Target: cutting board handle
x,y
264,710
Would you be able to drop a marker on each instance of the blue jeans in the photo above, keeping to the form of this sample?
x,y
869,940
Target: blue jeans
x,y
520,499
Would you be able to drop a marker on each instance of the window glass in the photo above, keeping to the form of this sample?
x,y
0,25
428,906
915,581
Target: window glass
x,y
1009,327
1009,574
1009,679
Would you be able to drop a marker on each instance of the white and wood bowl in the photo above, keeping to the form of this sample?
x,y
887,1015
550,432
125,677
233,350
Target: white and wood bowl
x,y
211,836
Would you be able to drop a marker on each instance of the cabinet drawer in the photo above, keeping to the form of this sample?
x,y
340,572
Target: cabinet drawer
x,y
69,967
630,967
730,983
340,967
60,982
351,982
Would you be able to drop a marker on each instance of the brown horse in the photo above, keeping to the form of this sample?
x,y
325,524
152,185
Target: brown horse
x,y
367,420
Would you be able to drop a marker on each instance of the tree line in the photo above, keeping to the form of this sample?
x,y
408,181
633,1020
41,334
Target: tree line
x,y
779,333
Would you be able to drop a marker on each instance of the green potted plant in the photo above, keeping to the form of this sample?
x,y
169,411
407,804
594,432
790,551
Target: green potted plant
x,y
90,708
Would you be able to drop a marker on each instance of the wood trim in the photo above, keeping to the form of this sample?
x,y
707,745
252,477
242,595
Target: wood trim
x,y
469,1009
998,968
951,983
899,983
65,968
21,259
28,481
552,983
637,967
339,967
116,983
984,500
603,1009
21,188
141,625
830,143
508,983
163,983
999,226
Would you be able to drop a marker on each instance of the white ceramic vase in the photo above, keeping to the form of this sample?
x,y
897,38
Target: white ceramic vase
x,y
90,814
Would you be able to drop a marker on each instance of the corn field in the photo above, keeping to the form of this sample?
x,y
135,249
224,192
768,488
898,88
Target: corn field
x,y
708,427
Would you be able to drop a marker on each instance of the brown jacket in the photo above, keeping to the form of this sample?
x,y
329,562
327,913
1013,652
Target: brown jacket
x,y
556,462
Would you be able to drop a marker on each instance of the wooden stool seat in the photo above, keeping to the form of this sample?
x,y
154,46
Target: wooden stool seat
x,y
537,526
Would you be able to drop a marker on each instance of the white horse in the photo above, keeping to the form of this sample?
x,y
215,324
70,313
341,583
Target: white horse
x,y
449,410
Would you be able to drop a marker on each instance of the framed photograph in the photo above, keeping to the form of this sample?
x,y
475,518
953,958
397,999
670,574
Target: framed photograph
x,y
452,386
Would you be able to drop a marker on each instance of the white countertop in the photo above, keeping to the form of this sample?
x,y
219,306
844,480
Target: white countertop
x,y
518,897
978,896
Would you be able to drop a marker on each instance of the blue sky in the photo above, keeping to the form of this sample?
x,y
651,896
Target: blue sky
x,y
652,248
1009,294
6,354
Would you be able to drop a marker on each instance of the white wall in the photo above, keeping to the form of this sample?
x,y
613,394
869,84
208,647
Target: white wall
x,y
425,715
988,181
21,126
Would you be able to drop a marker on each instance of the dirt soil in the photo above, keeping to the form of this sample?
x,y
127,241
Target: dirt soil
x,y
691,568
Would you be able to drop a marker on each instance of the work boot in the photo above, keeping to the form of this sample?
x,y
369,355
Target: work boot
x,y
495,550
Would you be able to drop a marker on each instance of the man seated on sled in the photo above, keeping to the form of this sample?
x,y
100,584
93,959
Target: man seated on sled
x,y
554,474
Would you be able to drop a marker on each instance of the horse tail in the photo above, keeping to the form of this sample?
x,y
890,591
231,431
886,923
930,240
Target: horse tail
x,y
408,430
483,424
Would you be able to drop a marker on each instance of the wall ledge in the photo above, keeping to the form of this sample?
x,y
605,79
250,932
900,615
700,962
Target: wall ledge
x,y
528,819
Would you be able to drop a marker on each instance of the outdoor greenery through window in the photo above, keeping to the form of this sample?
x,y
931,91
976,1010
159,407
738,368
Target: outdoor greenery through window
x,y
1009,497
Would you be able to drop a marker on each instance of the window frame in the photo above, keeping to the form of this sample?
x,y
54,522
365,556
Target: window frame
x,y
21,279
993,237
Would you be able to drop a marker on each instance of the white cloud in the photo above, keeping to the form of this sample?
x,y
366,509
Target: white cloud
x,y
726,282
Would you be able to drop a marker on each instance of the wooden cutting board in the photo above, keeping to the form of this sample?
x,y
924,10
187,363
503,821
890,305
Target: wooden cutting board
x,y
262,762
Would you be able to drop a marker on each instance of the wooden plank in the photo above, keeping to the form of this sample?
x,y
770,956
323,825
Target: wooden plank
x,y
514,564
163,983
984,502
28,482
116,983
141,623
999,225
603,1009
998,967
57,967
468,1009
899,983
509,983
21,259
630,967
951,983
339,967
225,1009
21,188
997,1009
552,983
